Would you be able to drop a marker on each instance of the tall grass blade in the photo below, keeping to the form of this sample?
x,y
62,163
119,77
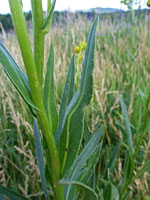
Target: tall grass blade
x,y
16,75
66,97
115,192
141,172
111,161
145,121
84,192
110,191
87,177
87,174
11,194
138,175
73,118
47,23
49,92
125,112
128,173
85,154
107,192
39,154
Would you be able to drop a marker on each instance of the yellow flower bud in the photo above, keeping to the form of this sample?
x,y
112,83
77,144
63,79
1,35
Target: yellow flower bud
x,y
77,49
82,45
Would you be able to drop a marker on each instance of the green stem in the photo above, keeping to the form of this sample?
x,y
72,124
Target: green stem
x,y
25,47
26,51
51,157
48,6
37,20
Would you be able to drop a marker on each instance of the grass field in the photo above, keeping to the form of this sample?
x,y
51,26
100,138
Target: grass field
x,y
122,66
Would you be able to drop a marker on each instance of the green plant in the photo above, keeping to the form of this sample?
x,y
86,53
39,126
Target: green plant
x,y
61,137
121,66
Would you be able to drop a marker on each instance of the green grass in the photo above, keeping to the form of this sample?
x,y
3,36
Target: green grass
x,y
121,67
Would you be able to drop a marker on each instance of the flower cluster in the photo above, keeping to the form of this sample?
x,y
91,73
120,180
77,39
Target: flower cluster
x,y
80,48
79,52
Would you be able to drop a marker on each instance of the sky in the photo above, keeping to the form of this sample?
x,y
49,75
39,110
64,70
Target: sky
x,y
70,4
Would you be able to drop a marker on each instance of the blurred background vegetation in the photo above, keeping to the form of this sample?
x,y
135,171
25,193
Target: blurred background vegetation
x,y
122,66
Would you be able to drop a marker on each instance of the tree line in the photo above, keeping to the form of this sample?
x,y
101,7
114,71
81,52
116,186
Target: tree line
x,y
62,16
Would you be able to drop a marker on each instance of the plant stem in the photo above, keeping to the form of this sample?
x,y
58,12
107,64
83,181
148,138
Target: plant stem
x,y
48,5
37,21
51,157
25,47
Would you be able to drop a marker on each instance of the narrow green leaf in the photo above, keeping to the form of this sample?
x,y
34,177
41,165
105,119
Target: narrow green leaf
x,y
71,139
115,192
125,112
106,189
111,161
86,134
123,131
2,197
11,194
16,75
91,164
138,175
107,192
87,174
49,92
48,5
66,96
145,121
127,195
92,180
39,154
128,169
141,172
85,154
73,118
47,23
84,192
81,159
110,191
